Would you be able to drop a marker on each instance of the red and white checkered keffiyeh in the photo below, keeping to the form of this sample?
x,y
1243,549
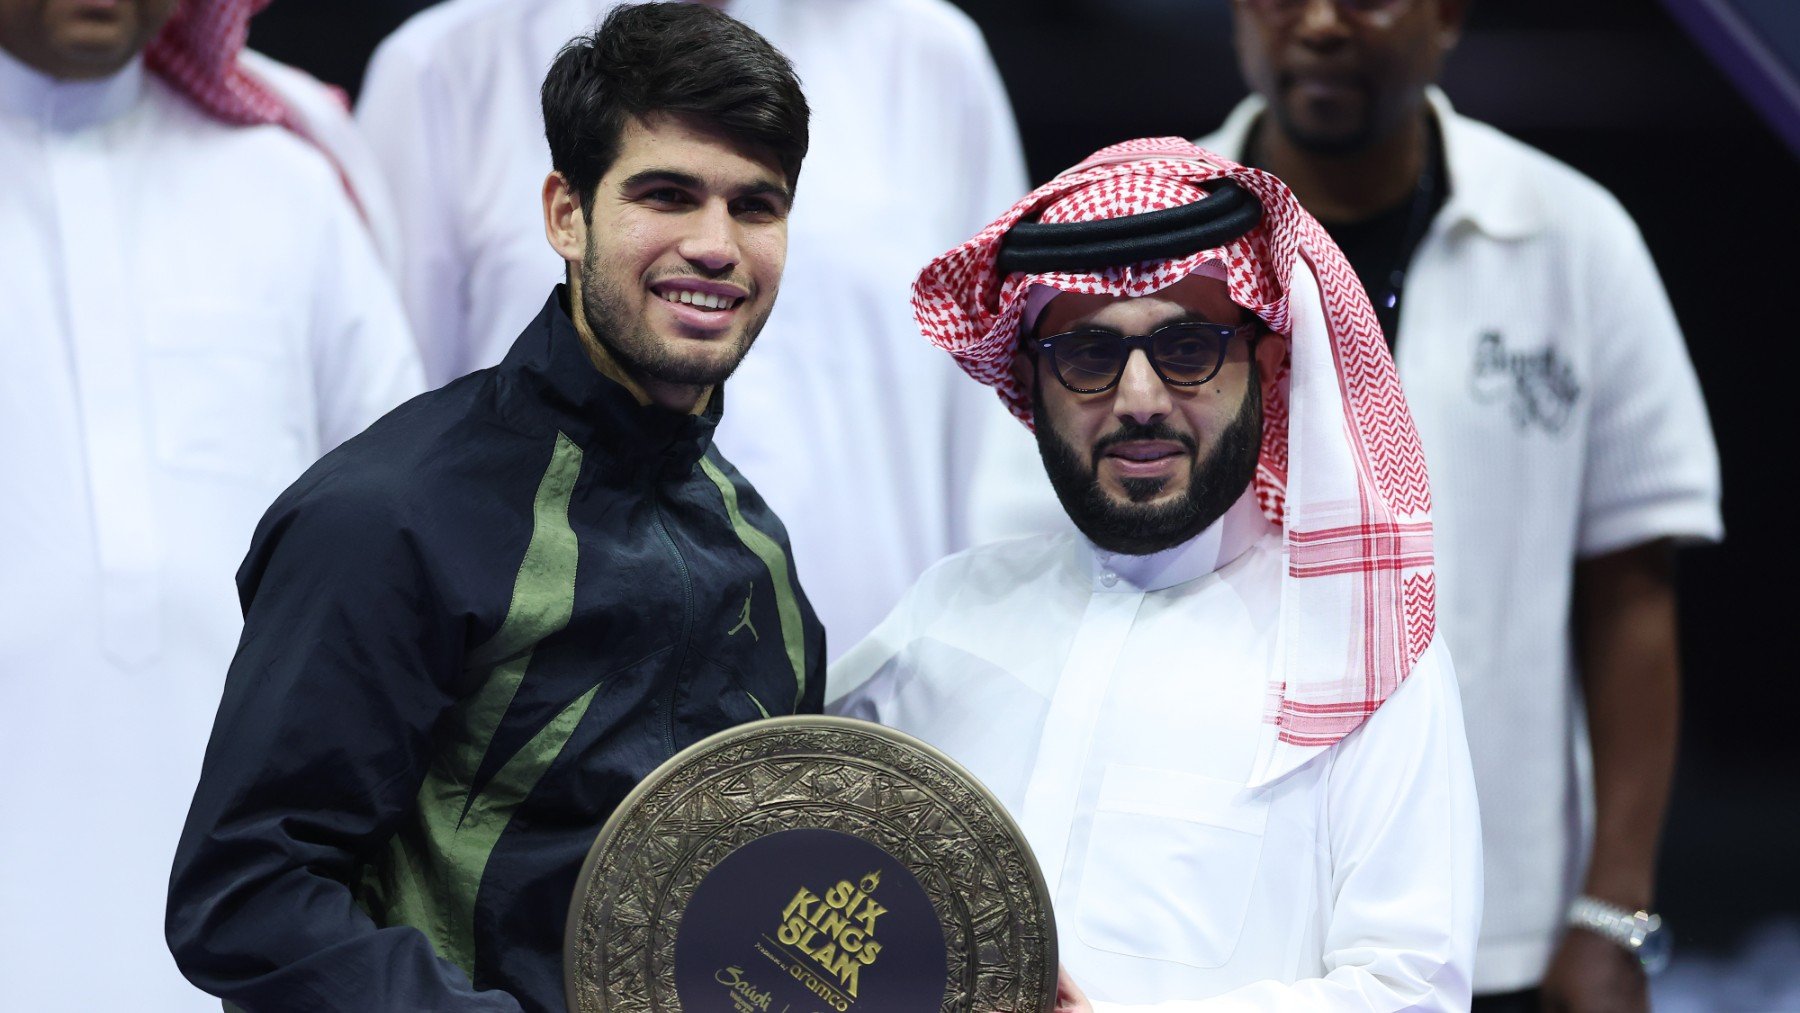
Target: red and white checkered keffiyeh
x,y
1341,468
197,54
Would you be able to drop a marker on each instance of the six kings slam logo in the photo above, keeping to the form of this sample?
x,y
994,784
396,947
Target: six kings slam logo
x,y
835,932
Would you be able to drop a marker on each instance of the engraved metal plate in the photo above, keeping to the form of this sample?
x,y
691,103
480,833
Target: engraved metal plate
x,y
810,864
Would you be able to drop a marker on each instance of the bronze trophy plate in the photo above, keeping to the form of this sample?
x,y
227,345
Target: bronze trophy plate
x,y
810,865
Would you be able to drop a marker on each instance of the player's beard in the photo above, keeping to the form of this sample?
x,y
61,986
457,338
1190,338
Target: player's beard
x,y
631,342
1139,528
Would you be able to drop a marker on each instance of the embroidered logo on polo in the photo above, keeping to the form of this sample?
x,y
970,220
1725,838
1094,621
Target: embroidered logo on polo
x,y
1539,386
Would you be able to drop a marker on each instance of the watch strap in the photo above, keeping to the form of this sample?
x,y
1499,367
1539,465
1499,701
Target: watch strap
x,y
1629,929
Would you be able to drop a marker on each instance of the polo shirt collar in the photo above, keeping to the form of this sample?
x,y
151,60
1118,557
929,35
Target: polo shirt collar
x,y
1481,192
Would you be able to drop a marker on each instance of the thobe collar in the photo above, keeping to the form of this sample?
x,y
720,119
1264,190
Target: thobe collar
x,y
593,410
31,94
1212,549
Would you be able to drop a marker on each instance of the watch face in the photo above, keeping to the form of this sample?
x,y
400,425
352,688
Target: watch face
x,y
1654,951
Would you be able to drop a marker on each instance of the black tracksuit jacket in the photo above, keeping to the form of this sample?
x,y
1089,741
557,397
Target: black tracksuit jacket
x,y
469,632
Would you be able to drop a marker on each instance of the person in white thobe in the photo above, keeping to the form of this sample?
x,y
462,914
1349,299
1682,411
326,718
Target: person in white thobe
x,y
1239,758
192,314
1113,703
323,112
847,424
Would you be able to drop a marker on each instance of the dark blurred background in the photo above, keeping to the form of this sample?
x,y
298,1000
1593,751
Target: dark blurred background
x,y
1621,91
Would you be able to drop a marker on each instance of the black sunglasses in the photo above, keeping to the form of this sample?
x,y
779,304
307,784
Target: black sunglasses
x,y
1184,354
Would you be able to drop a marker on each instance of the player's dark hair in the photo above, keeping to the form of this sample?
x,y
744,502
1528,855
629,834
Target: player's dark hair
x,y
682,58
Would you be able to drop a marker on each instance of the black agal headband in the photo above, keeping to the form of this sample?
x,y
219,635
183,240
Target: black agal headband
x,y
1228,212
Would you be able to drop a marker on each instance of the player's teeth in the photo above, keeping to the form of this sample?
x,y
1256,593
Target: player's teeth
x,y
704,300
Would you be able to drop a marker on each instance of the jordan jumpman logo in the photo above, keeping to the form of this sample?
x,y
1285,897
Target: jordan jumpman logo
x,y
744,617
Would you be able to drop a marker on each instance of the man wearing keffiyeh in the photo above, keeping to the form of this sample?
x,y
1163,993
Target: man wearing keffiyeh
x,y
190,313
1221,714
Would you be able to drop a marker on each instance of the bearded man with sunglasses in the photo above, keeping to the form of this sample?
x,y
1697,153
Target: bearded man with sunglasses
x,y
1220,713
1569,448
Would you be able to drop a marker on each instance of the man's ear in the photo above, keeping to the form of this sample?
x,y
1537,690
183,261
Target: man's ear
x,y
1024,373
1271,352
565,226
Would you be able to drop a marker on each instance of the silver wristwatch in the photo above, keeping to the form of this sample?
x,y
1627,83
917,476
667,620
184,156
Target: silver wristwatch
x,y
1640,933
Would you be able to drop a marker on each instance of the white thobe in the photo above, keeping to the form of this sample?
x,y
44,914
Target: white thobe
x,y
858,433
1115,705
322,111
1562,420
190,313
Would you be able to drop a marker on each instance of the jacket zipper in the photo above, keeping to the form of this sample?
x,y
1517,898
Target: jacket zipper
x,y
687,625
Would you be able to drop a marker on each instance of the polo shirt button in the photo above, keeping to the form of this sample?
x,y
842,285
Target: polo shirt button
x,y
1109,579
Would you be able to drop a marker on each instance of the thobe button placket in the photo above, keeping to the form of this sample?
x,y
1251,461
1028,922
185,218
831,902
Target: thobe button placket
x,y
107,354
1048,813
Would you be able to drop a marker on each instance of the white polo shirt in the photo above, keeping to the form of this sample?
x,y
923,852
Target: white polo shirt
x,y
1561,420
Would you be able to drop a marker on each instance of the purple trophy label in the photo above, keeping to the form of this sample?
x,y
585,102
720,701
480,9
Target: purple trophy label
x,y
810,921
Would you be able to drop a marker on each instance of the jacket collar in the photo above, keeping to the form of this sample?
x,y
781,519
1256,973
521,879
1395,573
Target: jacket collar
x,y
31,94
1485,191
549,369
